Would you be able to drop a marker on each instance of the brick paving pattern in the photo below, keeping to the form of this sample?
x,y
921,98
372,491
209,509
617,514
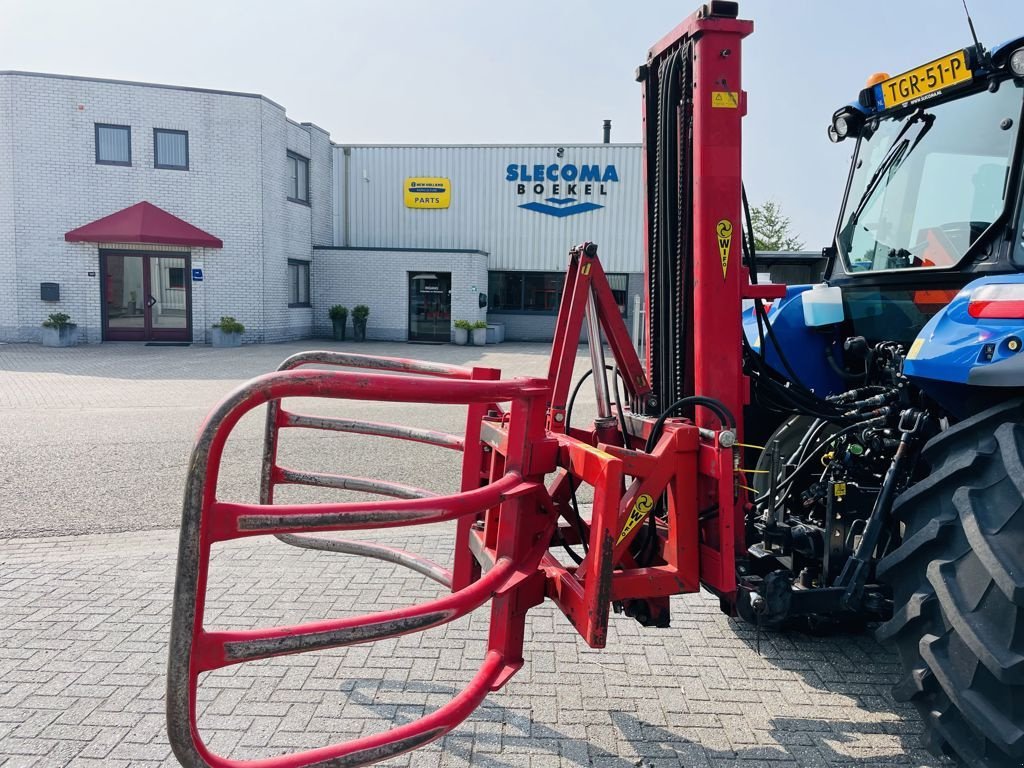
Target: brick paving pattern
x,y
84,619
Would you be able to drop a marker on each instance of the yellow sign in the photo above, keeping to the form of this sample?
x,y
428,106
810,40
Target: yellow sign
x,y
428,192
640,509
915,349
725,99
926,81
724,231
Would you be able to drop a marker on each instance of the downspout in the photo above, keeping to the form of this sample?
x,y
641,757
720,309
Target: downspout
x,y
346,192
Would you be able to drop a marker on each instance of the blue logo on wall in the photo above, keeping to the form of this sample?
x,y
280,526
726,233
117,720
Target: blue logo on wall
x,y
567,186
564,206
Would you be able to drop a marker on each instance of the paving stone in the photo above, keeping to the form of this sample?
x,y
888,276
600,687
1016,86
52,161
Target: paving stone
x,y
87,565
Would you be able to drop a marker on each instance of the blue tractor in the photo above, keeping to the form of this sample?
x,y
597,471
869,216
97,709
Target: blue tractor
x,y
888,399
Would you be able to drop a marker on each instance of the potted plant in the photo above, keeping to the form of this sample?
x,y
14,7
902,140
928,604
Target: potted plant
x,y
462,329
339,317
59,331
479,333
359,314
228,332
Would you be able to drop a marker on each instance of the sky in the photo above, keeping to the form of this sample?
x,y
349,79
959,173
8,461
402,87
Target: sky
x,y
520,71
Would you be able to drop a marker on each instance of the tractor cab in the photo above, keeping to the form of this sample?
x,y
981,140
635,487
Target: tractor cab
x,y
933,196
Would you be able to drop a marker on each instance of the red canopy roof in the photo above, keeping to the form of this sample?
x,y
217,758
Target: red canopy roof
x,y
143,223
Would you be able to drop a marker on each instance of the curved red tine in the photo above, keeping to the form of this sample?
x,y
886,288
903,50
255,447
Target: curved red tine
x,y
205,519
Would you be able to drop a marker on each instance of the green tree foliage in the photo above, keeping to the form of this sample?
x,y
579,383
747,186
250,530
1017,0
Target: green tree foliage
x,y
772,230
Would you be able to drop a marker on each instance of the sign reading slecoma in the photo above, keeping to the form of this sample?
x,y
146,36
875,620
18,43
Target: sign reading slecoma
x,y
561,185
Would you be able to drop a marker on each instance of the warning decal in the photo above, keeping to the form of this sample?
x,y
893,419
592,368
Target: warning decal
x,y
724,231
643,505
725,100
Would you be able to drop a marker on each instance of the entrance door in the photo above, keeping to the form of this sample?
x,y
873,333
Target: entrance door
x,y
430,306
146,297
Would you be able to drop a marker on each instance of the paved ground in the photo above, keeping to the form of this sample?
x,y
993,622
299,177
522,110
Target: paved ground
x,y
96,440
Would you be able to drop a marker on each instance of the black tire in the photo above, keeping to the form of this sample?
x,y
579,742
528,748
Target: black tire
x,y
958,590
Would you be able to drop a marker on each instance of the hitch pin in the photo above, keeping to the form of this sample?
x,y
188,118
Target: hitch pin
x,y
725,439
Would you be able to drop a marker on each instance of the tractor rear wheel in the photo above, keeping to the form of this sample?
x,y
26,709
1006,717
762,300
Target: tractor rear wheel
x,y
958,590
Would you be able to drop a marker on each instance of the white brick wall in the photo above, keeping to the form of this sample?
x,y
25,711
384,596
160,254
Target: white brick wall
x,y
380,280
8,271
235,188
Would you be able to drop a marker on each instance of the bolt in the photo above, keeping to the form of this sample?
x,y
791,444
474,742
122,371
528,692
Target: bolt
x,y
559,417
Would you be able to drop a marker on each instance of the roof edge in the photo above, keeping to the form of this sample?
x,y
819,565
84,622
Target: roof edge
x,y
142,84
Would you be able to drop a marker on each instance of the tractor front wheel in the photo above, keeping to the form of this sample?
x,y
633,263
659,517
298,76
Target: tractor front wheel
x,y
958,590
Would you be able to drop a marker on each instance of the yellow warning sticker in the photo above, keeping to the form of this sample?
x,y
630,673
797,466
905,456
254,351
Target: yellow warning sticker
x,y
725,99
915,349
839,490
586,269
640,510
724,231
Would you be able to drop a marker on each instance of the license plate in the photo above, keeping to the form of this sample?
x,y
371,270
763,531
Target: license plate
x,y
925,81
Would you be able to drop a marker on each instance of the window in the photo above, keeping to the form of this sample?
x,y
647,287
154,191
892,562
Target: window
x,y
298,178
113,144
540,292
298,283
176,278
170,149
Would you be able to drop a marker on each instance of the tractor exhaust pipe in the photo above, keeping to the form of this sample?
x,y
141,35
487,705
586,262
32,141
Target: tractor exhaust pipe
x,y
607,132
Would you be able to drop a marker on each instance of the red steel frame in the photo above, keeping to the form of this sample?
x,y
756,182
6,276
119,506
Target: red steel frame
x,y
507,521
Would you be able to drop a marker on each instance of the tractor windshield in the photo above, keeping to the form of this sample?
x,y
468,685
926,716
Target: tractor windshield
x,y
926,184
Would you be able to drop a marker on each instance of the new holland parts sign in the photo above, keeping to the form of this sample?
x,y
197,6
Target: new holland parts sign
x,y
563,188
432,192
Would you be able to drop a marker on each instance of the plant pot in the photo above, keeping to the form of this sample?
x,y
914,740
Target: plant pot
x,y
359,329
65,336
495,333
461,336
221,339
339,328
479,337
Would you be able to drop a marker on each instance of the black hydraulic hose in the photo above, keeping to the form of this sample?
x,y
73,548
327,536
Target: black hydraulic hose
x,y
715,406
877,421
841,372
568,422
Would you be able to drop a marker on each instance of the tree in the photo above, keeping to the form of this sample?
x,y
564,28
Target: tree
x,y
772,230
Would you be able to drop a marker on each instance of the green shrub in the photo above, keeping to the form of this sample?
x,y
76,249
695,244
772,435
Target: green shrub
x,y
360,312
338,312
228,324
464,325
479,324
57,320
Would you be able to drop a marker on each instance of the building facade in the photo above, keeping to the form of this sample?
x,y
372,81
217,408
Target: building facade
x,y
147,212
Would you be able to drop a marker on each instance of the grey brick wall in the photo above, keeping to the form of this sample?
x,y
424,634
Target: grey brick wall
x,y
380,280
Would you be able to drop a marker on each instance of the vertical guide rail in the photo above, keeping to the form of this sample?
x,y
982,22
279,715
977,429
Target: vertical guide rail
x,y
702,94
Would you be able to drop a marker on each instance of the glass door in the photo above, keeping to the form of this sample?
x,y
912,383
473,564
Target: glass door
x,y
145,297
167,298
430,306
124,296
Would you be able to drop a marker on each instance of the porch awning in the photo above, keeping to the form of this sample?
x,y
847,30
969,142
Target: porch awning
x,y
143,223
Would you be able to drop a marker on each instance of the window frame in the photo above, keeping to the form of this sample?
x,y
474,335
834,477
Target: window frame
x,y
298,159
522,293
299,263
96,144
156,156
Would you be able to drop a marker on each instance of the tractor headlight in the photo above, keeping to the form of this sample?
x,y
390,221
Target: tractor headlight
x,y
1017,62
845,122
